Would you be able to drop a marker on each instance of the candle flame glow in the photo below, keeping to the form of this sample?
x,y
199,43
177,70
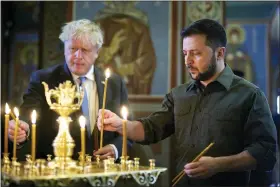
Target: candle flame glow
x,y
124,112
7,109
107,73
82,121
16,112
33,117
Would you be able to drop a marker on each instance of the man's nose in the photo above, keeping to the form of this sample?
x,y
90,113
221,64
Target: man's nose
x,y
188,59
78,53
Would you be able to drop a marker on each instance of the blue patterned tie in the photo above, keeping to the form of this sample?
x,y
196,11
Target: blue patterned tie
x,y
85,108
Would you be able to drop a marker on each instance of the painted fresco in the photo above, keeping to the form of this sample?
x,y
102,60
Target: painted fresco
x,y
236,56
128,48
136,40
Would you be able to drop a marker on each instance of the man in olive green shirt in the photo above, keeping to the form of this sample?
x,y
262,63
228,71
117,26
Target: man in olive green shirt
x,y
217,106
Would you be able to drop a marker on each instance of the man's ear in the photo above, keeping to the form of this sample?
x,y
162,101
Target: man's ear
x,y
97,53
221,52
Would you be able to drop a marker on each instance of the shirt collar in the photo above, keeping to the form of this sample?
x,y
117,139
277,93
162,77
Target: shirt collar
x,y
226,76
225,79
89,75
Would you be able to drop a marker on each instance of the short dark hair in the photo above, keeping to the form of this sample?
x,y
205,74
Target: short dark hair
x,y
214,32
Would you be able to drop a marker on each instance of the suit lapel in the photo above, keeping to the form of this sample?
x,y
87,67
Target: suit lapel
x,y
65,74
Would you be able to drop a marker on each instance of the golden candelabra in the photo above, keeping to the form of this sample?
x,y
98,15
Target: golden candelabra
x,y
62,170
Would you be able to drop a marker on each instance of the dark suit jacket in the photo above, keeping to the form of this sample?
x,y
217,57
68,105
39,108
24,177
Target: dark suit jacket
x,y
47,126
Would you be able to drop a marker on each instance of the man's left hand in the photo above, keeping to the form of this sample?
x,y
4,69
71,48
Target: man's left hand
x,y
205,167
105,151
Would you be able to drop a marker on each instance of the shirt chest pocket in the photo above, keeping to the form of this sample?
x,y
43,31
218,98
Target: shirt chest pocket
x,y
226,114
227,121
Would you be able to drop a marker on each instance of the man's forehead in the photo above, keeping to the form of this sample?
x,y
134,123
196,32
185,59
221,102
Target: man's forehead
x,y
79,42
194,42
196,38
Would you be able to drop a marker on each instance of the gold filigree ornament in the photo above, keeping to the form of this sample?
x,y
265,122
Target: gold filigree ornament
x,y
64,99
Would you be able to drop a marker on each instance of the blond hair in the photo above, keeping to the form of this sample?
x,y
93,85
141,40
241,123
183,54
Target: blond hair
x,y
82,29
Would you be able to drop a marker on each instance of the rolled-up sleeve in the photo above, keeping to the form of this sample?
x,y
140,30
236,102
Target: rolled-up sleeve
x,y
260,136
159,125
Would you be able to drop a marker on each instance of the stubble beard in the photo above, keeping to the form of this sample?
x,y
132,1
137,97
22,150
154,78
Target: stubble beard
x,y
209,73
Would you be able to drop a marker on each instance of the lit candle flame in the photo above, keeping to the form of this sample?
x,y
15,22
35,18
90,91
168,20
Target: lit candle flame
x,y
124,112
33,117
107,73
16,112
82,121
7,109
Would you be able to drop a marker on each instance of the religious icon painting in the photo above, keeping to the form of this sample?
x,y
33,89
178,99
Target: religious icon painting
x,y
137,36
25,61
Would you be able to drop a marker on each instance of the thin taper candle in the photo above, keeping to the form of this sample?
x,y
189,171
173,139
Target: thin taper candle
x,y
107,74
33,148
182,173
15,134
7,117
124,113
82,121
124,146
13,116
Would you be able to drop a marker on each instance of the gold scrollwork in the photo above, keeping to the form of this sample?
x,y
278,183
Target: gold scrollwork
x,y
5,180
103,180
145,178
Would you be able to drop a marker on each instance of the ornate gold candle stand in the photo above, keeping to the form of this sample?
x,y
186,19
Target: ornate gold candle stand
x,y
41,173
62,170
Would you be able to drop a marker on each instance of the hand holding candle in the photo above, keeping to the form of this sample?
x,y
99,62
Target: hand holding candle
x,y
7,117
82,121
124,113
15,135
107,74
33,149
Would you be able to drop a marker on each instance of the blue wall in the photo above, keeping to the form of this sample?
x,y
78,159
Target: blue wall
x,y
255,45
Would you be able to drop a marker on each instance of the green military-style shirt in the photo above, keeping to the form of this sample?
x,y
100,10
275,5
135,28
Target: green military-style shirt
x,y
231,112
